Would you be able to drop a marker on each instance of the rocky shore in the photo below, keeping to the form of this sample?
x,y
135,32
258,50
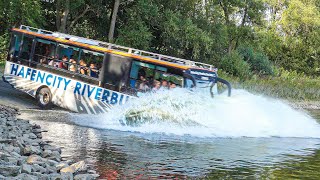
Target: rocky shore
x,y
24,155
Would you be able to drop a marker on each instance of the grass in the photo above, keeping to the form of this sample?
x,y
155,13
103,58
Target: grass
x,y
287,85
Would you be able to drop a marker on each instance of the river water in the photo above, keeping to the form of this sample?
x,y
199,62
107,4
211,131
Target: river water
x,y
185,135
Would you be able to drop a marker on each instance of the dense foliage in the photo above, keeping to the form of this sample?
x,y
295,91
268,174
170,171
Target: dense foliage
x,y
241,37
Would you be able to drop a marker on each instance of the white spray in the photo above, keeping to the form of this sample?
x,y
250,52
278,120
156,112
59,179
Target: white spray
x,y
181,112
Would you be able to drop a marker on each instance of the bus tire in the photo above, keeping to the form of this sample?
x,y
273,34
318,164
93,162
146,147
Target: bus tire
x,y
44,98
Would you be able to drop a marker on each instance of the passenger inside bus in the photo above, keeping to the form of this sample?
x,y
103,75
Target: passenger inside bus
x,y
172,85
156,85
83,67
72,66
164,83
143,86
93,70
51,61
63,64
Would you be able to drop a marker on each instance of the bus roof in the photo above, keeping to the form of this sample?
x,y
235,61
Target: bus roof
x,y
114,49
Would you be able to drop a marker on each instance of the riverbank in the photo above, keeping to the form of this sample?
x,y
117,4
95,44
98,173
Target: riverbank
x,y
297,90
24,155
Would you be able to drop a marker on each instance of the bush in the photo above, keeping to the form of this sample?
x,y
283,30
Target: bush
x,y
234,64
258,61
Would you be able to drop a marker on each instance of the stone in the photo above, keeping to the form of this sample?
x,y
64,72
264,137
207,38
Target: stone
x,y
52,162
38,168
26,168
61,165
12,135
10,123
84,177
51,169
6,170
32,136
55,155
22,160
11,160
70,162
55,176
67,176
76,167
28,150
10,148
25,176
34,159
4,155
15,154
47,153
18,143
40,176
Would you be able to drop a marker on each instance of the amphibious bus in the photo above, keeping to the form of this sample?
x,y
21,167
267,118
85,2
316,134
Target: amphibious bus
x,y
90,76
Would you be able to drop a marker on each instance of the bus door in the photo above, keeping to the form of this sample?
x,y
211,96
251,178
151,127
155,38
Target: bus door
x,y
115,72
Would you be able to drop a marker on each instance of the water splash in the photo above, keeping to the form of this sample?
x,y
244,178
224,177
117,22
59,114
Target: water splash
x,y
181,112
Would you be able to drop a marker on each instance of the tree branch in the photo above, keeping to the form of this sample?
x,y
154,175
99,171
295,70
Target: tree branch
x,y
79,16
226,13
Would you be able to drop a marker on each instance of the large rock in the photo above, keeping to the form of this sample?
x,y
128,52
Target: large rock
x,y
6,170
76,167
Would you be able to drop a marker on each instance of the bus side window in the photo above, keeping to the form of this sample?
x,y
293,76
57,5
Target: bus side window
x,y
142,76
25,50
44,52
90,63
68,57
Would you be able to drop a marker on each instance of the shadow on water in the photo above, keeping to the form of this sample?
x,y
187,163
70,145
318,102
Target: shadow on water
x,y
154,155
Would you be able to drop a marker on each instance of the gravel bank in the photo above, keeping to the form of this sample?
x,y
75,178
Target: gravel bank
x,y
24,155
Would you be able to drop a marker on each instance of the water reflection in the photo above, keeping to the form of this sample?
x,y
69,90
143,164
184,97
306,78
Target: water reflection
x,y
136,155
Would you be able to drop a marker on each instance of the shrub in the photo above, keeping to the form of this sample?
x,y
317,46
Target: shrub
x,y
258,61
233,63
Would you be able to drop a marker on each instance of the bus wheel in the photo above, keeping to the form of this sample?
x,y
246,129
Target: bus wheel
x,y
44,98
